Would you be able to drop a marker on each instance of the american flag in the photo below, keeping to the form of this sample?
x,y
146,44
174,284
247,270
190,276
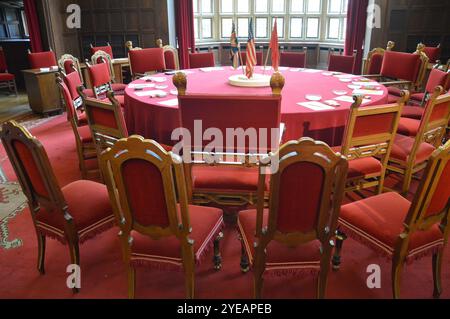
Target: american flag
x,y
234,52
251,52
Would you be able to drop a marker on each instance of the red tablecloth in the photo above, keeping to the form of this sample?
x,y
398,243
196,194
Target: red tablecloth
x,y
145,116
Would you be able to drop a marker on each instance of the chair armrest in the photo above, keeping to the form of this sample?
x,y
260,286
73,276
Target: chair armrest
x,y
396,83
370,76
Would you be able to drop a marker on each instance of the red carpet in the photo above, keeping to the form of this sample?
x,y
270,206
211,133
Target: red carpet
x,y
103,273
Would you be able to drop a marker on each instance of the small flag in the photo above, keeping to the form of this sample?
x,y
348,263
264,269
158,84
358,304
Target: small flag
x,y
251,52
274,47
234,52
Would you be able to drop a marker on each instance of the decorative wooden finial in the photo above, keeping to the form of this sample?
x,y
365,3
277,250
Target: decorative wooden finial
x,y
180,82
404,96
129,45
390,45
420,47
159,43
358,101
277,82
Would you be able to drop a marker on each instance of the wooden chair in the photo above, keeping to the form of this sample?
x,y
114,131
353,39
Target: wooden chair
x,y
232,178
42,59
165,232
7,80
68,63
295,233
170,55
106,121
100,57
411,154
259,57
83,138
341,63
374,60
201,60
146,61
73,82
404,231
107,49
102,83
73,214
368,139
130,47
294,59
433,53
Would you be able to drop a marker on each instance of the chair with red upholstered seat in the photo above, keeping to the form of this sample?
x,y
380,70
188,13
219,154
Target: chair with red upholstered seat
x,y
341,63
230,179
42,59
68,63
294,59
294,234
146,61
410,154
83,139
415,108
368,139
170,55
433,53
374,60
100,57
102,84
405,231
107,49
73,214
7,80
259,58
73,82
201,60
164,232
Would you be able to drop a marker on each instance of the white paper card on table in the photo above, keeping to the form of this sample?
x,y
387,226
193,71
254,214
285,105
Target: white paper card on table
x,y
312,71
154,79
349,99
141,85
296,69
212,69
316,106
172,102
153,93
346,76
283,68
368,92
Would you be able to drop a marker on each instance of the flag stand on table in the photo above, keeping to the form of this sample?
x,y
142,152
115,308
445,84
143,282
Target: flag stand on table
x,y
251,52
274,47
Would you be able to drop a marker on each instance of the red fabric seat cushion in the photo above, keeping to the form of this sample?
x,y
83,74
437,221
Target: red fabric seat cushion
x,y
147,60
230,179
413,112
206,224
378,221
6,77
418,97
119,88
393,98
281,259
85,134
88,204
403,145
401,66
82,119
393,90
293,59
408,127
42,60
361,167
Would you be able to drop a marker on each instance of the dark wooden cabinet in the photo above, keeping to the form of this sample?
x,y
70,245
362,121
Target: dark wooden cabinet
x,y
43,93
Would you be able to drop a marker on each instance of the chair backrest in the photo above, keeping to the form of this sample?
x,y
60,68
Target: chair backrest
x,y
201,60
423,66
305,194
433,53
72,115
294,59
437,78
170,55
371,131
431,205
146,61
259,58
107,48
73,82
68,63
374,61
135,170
100,78
341,63
3,64
32,167
400,65
106,121
102,57
42,59
435,119
253,115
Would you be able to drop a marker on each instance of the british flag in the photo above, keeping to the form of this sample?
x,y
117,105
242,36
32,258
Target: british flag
x,y
251,52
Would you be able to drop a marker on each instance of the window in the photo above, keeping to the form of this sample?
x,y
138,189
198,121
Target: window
x,y
298,20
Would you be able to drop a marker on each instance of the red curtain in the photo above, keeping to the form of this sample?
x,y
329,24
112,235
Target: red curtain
x,y
356,31
184,15
33,25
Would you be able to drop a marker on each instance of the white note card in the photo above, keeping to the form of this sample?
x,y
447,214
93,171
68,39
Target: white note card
x,y
141,85
212,69
316,106
349,99
153,93
154,79
368,92
172,102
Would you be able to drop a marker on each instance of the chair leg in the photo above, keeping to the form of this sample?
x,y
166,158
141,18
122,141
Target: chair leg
x,y
15,88
437,267
397,268
131,282
324,271
217,260
189,270
337,259
259,269
75,258
245,264
41,253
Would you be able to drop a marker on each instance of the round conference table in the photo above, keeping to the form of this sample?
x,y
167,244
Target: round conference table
x,y
156,118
